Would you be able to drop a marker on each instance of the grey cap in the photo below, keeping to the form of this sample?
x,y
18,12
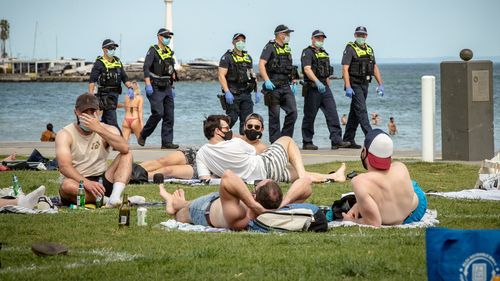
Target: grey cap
x,y
282,28
86,101
164,32
238,35
109,43
360,30
318,33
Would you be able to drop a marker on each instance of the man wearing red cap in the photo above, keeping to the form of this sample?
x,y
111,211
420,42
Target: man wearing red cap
x,y
385,195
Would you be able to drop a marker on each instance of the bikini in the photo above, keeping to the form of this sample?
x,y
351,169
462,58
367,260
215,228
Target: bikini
x,y
130,120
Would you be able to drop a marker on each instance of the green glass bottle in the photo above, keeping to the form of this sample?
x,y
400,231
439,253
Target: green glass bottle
x,y
16,187
124,212
80,196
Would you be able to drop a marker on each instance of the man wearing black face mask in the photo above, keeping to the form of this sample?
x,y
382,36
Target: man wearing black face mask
x,y
254,127
82,149
222,153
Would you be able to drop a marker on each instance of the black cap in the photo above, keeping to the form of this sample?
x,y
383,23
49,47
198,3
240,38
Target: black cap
x,y
282,28
361,30
318,33
238,35
164,32
109,43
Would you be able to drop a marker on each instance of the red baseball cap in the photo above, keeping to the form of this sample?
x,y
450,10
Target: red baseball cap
x,y
379,147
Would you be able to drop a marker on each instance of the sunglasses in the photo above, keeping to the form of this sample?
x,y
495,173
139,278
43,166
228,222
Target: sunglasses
x,y
251,126
111,48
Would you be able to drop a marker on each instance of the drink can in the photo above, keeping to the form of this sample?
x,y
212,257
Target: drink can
x,y
141,216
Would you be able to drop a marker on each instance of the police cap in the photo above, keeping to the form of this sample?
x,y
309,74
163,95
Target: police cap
x,y
282,28
361,30
238,35
164,32
108,43
318,33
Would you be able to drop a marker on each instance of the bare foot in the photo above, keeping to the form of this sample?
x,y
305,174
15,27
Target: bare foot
x,y
339,175
179,201
168,199
11,157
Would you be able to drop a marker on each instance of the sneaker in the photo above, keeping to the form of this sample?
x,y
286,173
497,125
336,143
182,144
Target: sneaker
x,y
343,144
170,146
141,141
354,146
309,146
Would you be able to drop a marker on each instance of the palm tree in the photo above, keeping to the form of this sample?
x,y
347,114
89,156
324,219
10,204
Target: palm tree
x,y
4,35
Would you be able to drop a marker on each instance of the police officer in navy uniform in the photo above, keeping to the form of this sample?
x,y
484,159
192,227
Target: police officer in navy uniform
x,y
238,80
358,67
159,75
109,74
279,74
317,93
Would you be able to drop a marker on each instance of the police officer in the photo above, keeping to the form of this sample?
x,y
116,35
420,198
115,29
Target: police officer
x,y
317,93
278,72
358,67
159,75
238,80
109,74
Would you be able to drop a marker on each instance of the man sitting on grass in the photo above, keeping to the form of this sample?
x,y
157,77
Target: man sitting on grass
x,y
82,150
223,152
385,195
233,206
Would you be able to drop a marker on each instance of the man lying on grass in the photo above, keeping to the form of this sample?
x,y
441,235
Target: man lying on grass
x,y
233,206
223,152
385,195
82,150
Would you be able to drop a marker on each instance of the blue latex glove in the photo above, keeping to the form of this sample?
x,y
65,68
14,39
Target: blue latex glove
x,y
321,87
294,88
173,93
269,85
258,97
349,92
149,90
130,93
229,97
380,90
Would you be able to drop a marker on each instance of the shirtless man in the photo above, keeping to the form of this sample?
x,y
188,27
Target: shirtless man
x,y
233,206
223,152
82,149
385,195
133,121
181,164
392,126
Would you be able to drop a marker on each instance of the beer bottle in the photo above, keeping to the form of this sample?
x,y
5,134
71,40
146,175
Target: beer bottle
x,y
80,196
124,213
16,187
98,199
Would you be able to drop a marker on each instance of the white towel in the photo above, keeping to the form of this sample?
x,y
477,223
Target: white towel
x,y
175,225
492,194
429,219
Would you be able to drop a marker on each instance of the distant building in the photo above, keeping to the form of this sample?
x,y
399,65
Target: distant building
x,y
57,66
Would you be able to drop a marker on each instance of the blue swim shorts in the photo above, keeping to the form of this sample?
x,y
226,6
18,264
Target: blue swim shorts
x,y
419,212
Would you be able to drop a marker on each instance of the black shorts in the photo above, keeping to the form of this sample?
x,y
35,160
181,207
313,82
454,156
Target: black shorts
x,y
108,186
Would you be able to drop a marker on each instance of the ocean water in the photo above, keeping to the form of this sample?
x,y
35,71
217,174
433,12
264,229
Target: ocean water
x,y
27,107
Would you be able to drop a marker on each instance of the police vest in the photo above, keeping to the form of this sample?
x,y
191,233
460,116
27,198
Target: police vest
x,y
240,70
362,66
111,78
164,66
280,64
320,64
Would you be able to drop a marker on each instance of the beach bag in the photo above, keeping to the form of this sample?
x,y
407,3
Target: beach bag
x,y
489,174
293,217
466,255
343,205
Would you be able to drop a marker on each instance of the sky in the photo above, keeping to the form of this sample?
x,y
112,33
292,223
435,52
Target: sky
x,y
398,30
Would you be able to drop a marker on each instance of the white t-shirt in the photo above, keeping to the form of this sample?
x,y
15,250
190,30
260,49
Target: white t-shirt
x,y
235,155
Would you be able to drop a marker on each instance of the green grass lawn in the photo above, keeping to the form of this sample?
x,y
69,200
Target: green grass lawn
x,y
99,250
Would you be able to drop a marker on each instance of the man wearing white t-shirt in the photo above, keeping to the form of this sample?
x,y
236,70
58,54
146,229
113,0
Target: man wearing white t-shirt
x,y
222,153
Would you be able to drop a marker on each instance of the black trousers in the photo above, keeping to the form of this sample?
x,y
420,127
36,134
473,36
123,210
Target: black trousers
x,y
358,114
313,101
108,103
286,99
162,108
242,107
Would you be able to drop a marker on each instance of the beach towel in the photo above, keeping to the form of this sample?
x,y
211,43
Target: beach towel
x,y
26,211
477,194
175,225
429,220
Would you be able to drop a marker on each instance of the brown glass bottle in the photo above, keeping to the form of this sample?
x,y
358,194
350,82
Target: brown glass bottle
x,y
124,213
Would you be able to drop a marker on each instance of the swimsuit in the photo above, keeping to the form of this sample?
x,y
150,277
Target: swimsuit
x,y
419,212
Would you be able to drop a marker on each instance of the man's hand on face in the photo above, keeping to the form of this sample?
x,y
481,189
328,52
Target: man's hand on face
x,y
90,121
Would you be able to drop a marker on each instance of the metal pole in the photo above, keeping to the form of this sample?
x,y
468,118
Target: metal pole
x,y
428,117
